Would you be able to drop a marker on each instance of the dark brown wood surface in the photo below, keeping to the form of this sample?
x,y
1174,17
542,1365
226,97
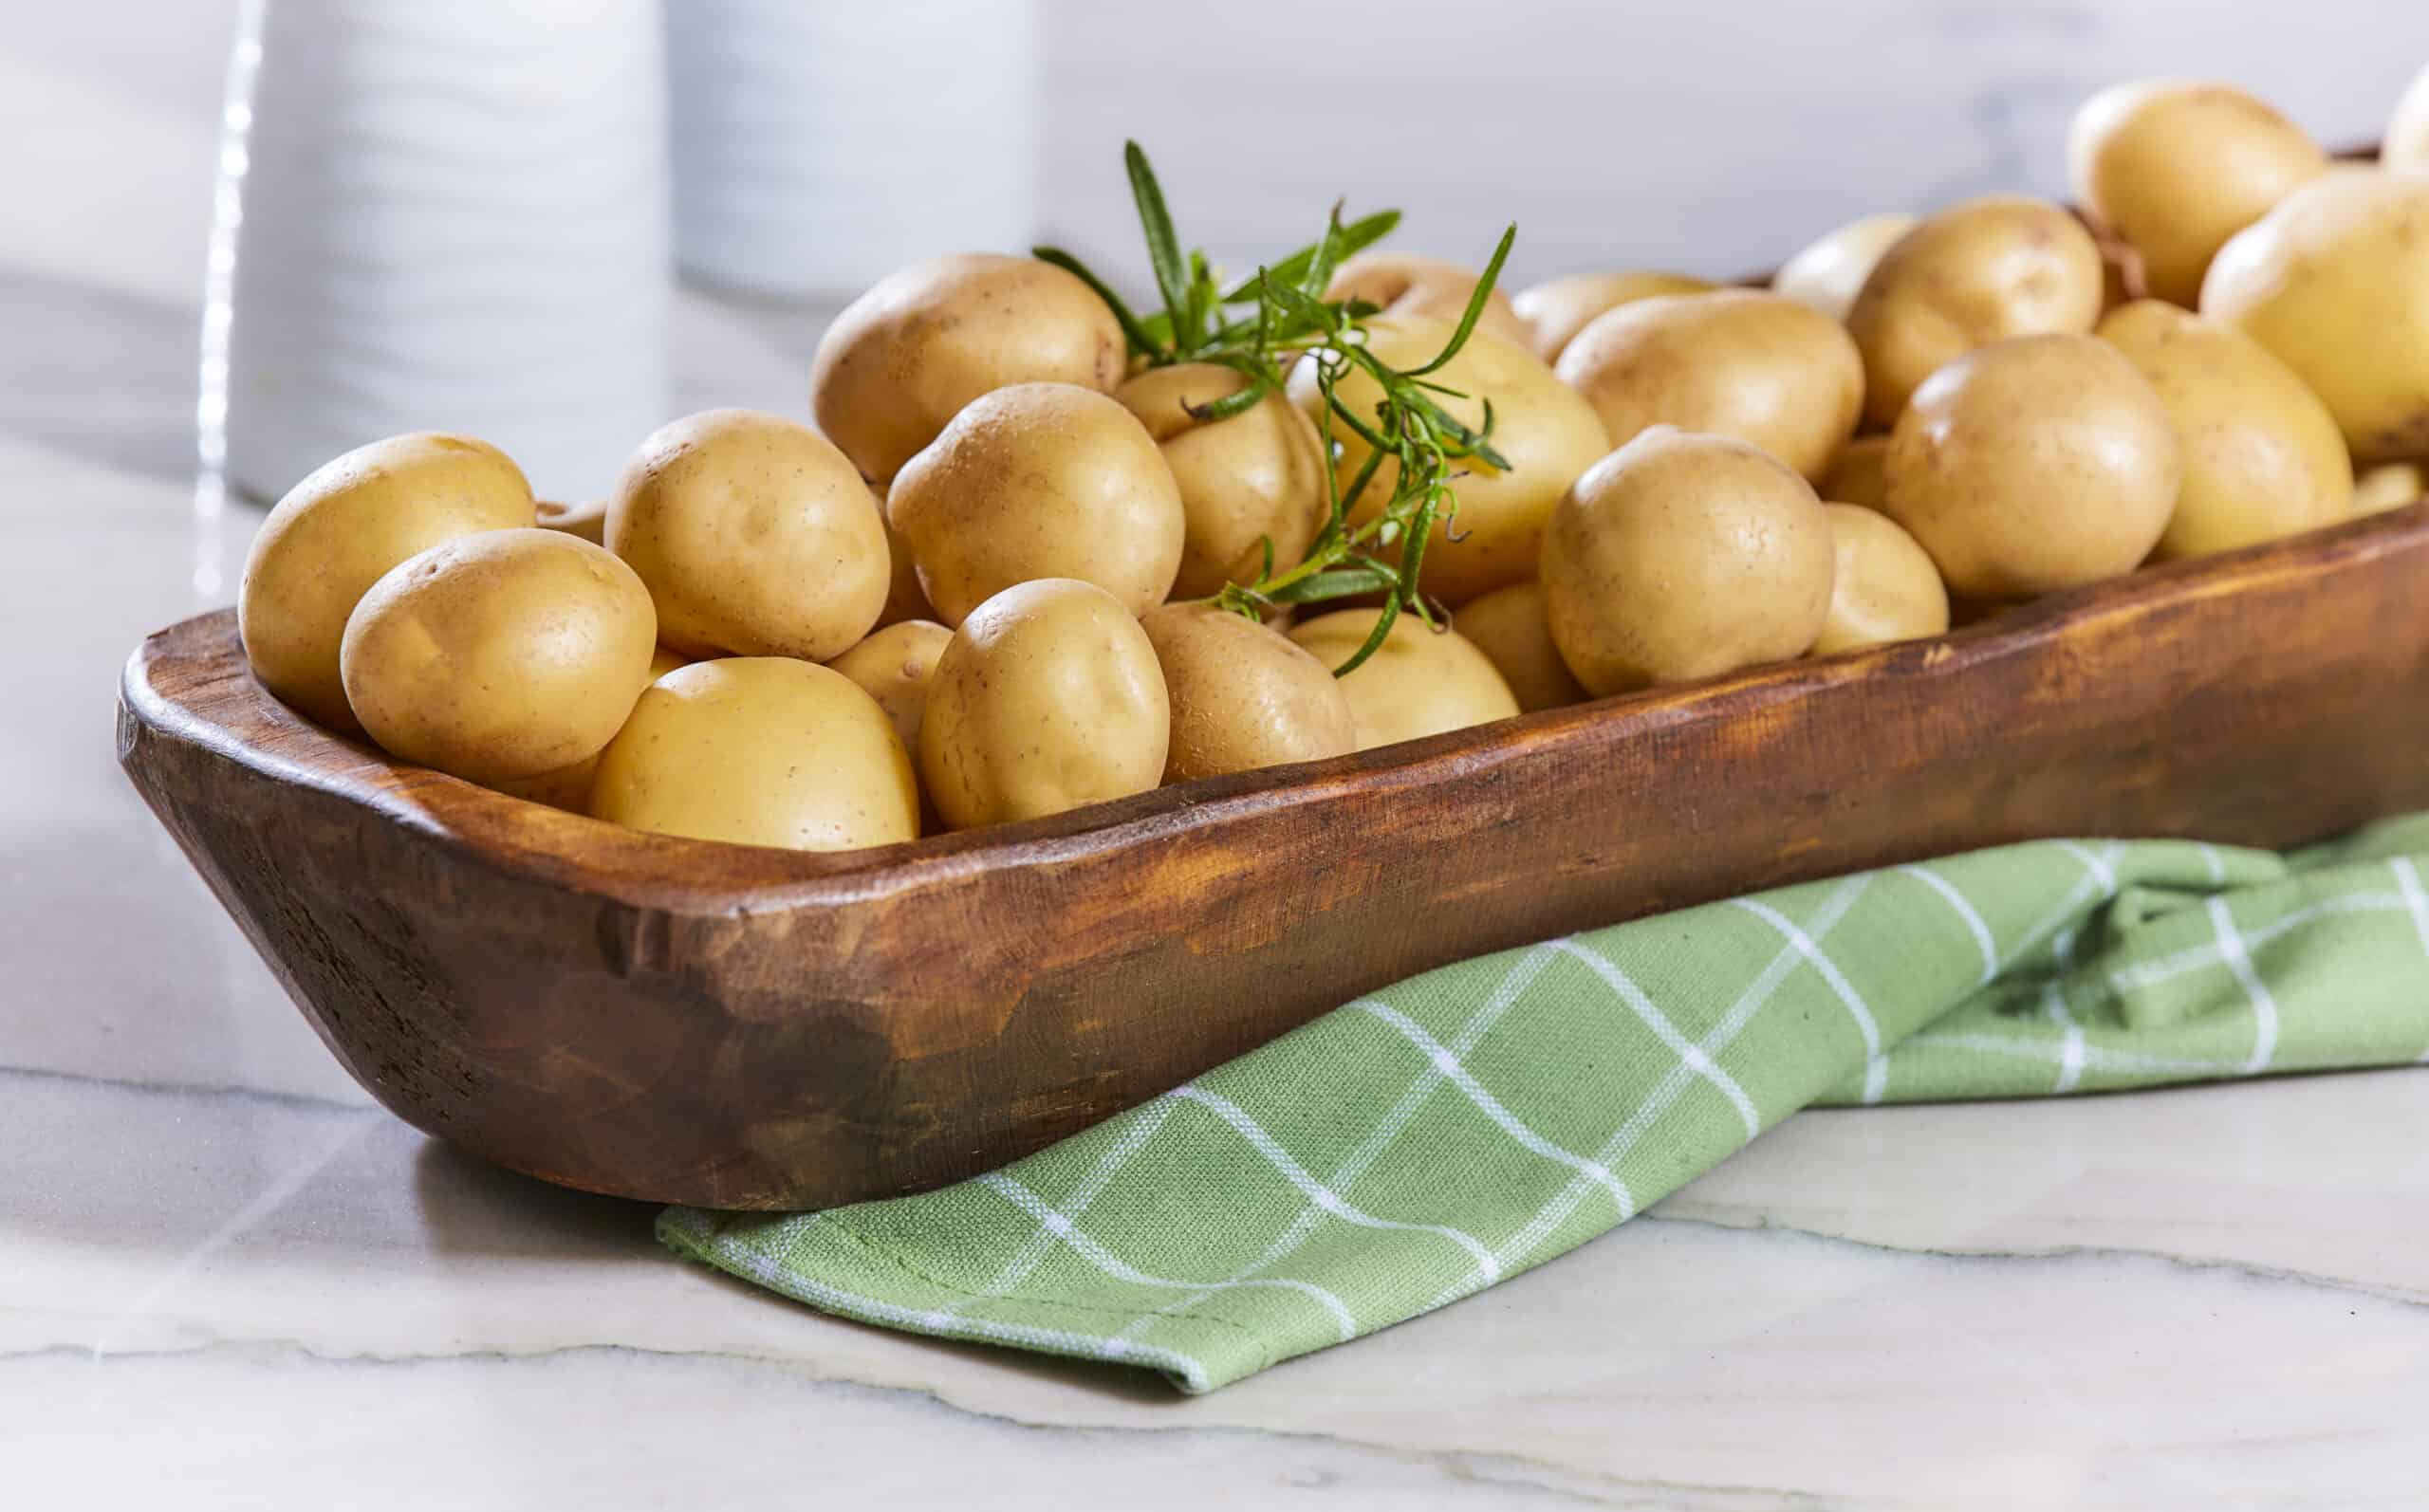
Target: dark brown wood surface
x,y
739,1027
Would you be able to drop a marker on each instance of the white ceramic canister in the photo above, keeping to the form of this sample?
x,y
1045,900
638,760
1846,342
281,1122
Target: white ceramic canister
x,y
448,214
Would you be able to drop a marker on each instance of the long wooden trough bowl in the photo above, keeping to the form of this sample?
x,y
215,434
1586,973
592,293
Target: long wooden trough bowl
x,y
691,1021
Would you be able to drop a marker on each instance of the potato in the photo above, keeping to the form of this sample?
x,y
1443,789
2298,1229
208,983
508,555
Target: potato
x,y
1543,427
2407,142
1682,556
1406,284
1048,697
1242,697
906,357
2390,485
904,599
2262,456
337,532
754,535
1510,627
2034,463
568,788
1252,477
1825,275
499,655
2173,167
1556,312
1738,362
1420,682
1883,586
895,666
1978,271
1855,473
588,520
1040,480
2335,281
760,750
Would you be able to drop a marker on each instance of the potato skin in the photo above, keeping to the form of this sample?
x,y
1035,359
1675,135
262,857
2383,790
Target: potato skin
x,y
1408,283
1420,682
893,666
1825,275
1682,556
2390,485
1979,271
1555,310
339,531
2033,465
1883,584
1242,695
760,750
2262,456
904,597
903,359
1545,429
500,655
1738,362
754,535
587,520
1855,473
2335,282
2173,167
1255,477
2407,142
568,788
1048,697
1510,626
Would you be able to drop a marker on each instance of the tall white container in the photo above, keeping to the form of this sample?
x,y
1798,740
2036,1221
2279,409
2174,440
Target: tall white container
x,y
446,215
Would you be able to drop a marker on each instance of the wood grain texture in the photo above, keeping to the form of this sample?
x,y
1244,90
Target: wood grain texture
x,y
683,1021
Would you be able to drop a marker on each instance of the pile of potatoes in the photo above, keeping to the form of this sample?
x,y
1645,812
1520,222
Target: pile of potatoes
x,y
977,588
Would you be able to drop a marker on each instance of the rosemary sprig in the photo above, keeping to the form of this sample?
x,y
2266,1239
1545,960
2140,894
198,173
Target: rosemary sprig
x,y
1288,320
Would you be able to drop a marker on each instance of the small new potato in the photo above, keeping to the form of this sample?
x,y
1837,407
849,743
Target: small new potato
x,y
1543,427
1242,695
588,520
904,597
2033,465
1741,362
1554,311
2173,167
1825,275
2262,456
337,532
896,666
1246,479
1855,473
906,357
1510,627
2335,281
1419,682
568,788
2407,142
1979,271
1048,697
1682,556
1883,584
754,535
499,655
760,750
2390,485
1406,284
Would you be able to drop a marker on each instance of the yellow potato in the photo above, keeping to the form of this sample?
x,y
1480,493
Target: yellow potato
x,y
1509,625
1883,586
1740,362
337,532
1544,429
2173,167
1048,697
896,666
1825,275
2407,142
1252,477
904,597
1406,284
1556,310
2335,281
499,655
2262,456
568,788
1682,556
906,357
754,535
1420,682
1242,697
2390,485
1855,473
2034,463
1979,271
1040,480
588,520
760,750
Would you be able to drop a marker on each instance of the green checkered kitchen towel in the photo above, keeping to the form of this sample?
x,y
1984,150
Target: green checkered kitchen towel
x,y
1420,1143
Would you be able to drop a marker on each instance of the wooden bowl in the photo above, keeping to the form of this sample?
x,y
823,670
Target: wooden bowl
x,y
689,1021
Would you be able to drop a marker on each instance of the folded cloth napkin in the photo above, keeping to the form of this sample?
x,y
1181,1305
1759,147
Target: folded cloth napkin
x,y
1420,1143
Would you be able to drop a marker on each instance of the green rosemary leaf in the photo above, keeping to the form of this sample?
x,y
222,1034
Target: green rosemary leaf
x,y
1163,247
1476,299
1355,237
